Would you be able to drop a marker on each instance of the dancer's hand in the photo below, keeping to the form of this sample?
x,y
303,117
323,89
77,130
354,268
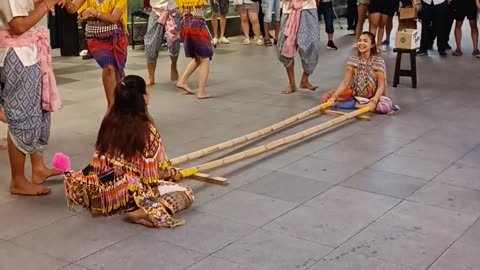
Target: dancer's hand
x,y
62,3
177,176
89,13
332,100
373,105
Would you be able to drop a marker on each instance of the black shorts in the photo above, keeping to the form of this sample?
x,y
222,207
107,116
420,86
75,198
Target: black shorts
x,y
221,7
385,7
464,8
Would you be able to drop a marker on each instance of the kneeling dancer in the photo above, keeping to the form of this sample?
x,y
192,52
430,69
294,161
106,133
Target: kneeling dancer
x,y
364,83
130,171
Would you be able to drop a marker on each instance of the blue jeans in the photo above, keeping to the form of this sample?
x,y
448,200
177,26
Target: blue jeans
x,y
269,7
327,10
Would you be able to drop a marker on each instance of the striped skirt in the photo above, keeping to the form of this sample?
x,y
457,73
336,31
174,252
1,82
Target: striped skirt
x,y
110,51
196,39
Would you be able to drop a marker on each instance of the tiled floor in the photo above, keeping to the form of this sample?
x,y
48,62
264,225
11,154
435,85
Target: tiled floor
x,y
396,193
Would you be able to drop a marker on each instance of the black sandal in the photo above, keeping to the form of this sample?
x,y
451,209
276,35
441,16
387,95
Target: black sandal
x,y
267,43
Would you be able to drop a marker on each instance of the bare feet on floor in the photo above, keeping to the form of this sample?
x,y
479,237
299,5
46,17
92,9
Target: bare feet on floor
x,y
173,74
290,89
203,96
307,85
41,175
25,188
150,81
184,87
139,217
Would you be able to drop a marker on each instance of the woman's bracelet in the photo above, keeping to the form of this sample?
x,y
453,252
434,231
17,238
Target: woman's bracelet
x,y
374,101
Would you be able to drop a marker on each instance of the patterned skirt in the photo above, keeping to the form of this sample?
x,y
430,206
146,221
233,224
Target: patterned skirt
x,y
116,192
110,51
21,97
196,38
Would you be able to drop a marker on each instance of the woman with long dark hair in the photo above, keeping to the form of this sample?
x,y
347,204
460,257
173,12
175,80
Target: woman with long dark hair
x,y
365,81
129,171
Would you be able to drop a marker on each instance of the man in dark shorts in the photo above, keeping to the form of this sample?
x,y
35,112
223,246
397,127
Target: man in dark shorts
x,y
468,9
219,6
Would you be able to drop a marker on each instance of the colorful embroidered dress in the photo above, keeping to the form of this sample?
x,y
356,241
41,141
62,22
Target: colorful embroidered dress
x,y
366,75
112,185
106,42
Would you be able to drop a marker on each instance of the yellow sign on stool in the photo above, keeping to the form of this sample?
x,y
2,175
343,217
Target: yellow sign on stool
x,y
408,39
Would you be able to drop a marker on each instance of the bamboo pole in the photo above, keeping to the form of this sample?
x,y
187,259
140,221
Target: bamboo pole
x,y
239,140
338,113
272,145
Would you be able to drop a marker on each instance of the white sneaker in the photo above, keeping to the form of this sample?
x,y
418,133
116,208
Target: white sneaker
x,y
214,41
224,40
351,32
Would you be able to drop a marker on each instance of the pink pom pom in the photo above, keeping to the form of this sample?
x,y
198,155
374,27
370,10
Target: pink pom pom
x,y
61,162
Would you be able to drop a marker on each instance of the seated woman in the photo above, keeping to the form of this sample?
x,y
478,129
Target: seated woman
x,y
364,83
129,171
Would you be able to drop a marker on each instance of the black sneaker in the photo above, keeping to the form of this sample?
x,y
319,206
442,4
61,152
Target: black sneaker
x,y
442,53
331,45
422,53
448,47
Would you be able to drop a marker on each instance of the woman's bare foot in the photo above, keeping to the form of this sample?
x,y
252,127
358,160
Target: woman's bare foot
x,y
41,175
290,89
139,217
173,73
25,188
307,85
203,96
184,87
150,81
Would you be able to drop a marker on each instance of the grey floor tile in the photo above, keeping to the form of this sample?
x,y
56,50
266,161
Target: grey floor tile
x,y
385,183
73,267
154,254
38,211
449,197
411,166
458,175
330,227
344,260
273,251
63,237
322,170
211,263
397,246
380,143
472,159
459,257
202,232
432,151
351,201
286,187
15,257
247,208
346,154
472,235
428,220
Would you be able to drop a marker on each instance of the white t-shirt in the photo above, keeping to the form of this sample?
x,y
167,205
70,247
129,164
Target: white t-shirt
x,y
163,4
307,4
10,9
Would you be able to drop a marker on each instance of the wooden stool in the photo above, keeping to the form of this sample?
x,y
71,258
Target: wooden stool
x,y
404,72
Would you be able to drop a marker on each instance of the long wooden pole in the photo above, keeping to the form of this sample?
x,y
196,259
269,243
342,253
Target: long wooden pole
x,y
231,143
272,145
